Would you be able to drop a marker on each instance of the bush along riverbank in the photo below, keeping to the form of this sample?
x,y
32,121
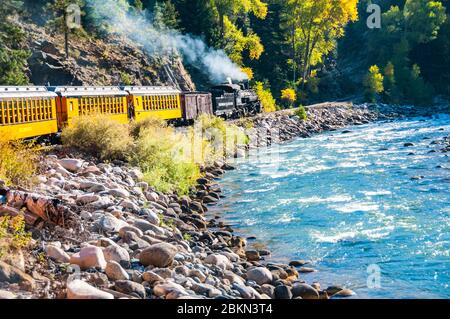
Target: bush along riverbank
x,y
93,227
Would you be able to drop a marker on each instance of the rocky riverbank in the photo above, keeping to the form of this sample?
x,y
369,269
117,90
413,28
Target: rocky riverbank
x,y
100,232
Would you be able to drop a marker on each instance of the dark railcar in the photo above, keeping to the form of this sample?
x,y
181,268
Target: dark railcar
x,y
194,104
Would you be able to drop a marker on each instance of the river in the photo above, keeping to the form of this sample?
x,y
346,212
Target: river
x,y
351,203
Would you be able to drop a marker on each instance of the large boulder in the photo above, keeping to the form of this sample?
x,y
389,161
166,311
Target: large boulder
x,y
159,255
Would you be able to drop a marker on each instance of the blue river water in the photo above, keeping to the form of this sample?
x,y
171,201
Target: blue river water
x,y
349,203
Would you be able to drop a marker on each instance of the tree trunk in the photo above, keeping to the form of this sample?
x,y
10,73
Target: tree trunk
x,y
66,36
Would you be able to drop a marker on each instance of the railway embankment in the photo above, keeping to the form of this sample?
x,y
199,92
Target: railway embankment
x,y
99,231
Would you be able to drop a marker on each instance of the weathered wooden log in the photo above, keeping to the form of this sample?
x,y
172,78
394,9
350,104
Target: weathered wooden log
x,y
48,209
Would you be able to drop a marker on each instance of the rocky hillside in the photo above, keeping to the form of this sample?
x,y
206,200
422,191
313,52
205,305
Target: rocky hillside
x,y
95,61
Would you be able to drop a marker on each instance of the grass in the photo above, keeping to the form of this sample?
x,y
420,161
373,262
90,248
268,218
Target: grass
x,y
18,162
100,136
13,235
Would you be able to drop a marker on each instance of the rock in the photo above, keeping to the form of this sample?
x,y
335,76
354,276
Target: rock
x,y
252,255
78,289
73,165
130,228
205,289
333,289
408,144
152,277
119,192
115,272
13,275
57,254
305,291
260,275
7,295
220,261
151,216
247,292
130,288
89,257
169,287
118,254
298,263
344,293
109,223
269,290
283,292
306,270
159,255
87,199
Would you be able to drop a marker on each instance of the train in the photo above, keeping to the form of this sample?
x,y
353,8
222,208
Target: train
x,y
28,112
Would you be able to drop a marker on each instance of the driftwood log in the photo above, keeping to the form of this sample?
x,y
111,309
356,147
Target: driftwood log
x,y
34,207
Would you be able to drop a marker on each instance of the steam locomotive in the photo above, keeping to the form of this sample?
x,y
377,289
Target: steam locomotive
x,y
35,111
235,100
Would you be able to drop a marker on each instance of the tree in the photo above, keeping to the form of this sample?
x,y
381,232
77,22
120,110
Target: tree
x,y
312,27
373,83
289,96
13,58
165,16
268,102
390,85
61,10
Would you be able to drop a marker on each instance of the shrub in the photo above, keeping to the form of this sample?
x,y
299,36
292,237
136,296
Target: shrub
x,y
246,123
151,121
373,83
301,113
98,135
162,156
18,162
267,100
223,136
13,235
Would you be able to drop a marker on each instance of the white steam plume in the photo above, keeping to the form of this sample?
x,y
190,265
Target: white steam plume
x,y
118,18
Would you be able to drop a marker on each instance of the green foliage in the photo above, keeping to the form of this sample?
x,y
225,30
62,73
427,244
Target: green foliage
x,y
301,113
98,135
373,83
13,235
187,237
265,95
165,16
13,58
126,78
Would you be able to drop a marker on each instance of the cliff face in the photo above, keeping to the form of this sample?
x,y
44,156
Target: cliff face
x,y
98,62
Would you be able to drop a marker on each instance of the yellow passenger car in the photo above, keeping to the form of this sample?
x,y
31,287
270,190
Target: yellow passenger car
x,y
162,102
27,112
83,101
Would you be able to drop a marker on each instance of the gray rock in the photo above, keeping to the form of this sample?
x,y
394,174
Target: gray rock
x,y
283,292
260,275
118,254
73,165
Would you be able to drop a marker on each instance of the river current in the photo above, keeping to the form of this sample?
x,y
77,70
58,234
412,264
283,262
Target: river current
x,y
353,201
